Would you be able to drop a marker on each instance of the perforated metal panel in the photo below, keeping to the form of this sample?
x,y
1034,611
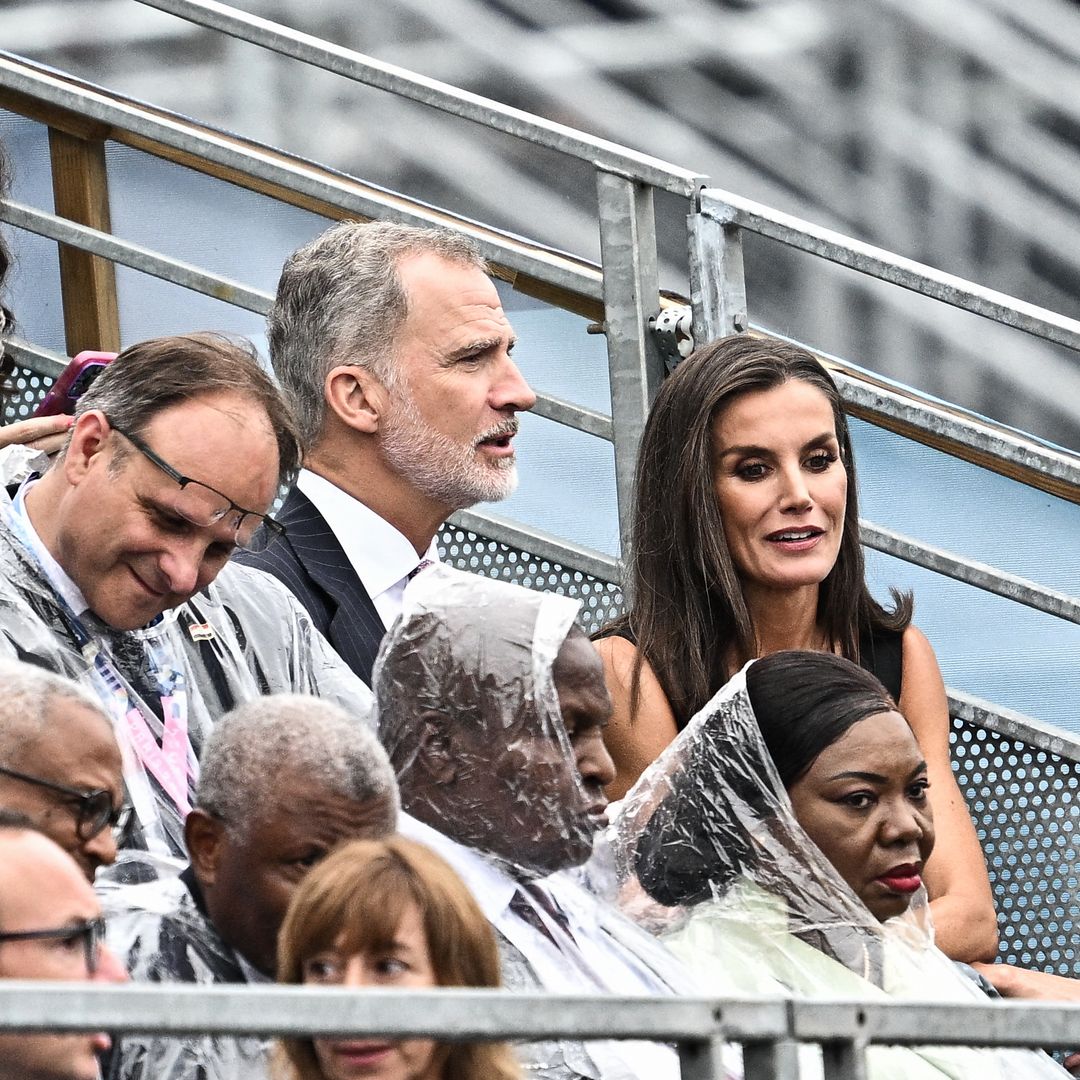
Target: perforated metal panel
x,y
1024,804
25,390
601,600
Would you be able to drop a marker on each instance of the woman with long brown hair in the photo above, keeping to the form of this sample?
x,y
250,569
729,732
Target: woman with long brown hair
x,y
388,913
746,542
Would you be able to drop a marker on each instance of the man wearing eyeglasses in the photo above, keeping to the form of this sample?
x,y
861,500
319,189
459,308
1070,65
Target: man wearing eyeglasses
x,y
110,564
50,928
60,764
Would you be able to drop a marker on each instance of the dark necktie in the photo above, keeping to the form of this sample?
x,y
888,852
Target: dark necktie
x,y
522,906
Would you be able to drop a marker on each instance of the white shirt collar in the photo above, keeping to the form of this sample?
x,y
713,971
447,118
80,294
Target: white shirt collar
x,y
56,574
382,557
491,886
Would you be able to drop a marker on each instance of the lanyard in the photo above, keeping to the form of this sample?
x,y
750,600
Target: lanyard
x,y
171,763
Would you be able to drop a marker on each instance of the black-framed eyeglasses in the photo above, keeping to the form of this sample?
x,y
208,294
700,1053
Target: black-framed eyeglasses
x,y
204,506
91,931
94,810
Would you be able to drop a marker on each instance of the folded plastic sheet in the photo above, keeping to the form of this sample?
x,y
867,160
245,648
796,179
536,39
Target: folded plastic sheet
x,y
243,636
481,652
465,646
711,857
161,936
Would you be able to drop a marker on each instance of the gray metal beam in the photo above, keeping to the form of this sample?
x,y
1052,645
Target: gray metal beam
x,y
730,209
298,176
134,255
982,576
717,279
492,114
631,287
995,442
998,1023
39,361
291,1010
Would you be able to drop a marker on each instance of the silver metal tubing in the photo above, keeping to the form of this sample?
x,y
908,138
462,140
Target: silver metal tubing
x,y
1013,725
631,287
294,174
879,263
1000,1023
571,557
844,1059
135,256
970,572
717,279
575,416
39,361
986,438
290,1010
356,66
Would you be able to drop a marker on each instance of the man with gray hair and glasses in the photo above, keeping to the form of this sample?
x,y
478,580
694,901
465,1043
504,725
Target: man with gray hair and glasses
x,y
60,764
284,780
111,564
393,348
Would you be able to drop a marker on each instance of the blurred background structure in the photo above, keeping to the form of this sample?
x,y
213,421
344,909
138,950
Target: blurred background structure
x,y
946,132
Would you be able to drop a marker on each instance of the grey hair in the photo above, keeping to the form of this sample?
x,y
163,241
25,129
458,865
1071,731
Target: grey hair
x,y
340,301
30,694
250,745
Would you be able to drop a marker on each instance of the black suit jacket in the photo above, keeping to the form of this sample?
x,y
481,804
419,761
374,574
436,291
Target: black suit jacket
x,y
312,564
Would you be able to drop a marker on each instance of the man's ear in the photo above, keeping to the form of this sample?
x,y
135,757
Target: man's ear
x,y
89,435
434,752
356,397
204,836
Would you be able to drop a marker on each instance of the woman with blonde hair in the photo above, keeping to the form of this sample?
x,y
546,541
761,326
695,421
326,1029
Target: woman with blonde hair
x,y
391,914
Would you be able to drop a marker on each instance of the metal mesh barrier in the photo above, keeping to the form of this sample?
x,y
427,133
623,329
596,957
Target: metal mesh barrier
x,y
1024,804
601,600
25,390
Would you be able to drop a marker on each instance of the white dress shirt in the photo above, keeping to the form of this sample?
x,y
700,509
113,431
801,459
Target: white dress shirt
x,y
381,556
602,965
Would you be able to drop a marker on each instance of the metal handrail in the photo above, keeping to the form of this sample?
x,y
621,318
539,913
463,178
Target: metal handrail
x,y
698,1026
152,129
601,153
729,209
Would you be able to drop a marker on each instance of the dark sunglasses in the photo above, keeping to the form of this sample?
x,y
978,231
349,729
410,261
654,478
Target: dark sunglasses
x,y
94,810
204,506
91,931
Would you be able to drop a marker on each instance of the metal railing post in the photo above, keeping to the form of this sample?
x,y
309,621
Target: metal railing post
x,y
717,281
631,286
777,1060
702,1060
844,1059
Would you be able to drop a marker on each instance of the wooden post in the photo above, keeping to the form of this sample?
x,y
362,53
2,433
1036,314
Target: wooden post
x,y
87,282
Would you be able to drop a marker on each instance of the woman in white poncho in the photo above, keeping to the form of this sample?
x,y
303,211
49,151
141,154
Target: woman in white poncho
x,y
777,845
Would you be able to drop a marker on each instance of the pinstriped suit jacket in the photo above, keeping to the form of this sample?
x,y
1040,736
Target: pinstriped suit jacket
x,y
311,563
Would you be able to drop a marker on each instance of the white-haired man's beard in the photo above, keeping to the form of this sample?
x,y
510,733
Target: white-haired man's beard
x,y
452,473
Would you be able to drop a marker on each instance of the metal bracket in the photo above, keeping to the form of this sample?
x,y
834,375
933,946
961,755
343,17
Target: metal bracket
x,y
672,328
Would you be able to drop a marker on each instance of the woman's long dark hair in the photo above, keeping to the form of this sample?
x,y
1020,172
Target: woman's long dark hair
x,y
688,616
6,318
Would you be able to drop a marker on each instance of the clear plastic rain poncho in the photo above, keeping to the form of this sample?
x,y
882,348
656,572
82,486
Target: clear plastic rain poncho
x,y
497,777
160,934
243,636
714,861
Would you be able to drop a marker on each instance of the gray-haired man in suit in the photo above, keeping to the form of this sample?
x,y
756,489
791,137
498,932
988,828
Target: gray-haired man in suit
x,y
392,345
